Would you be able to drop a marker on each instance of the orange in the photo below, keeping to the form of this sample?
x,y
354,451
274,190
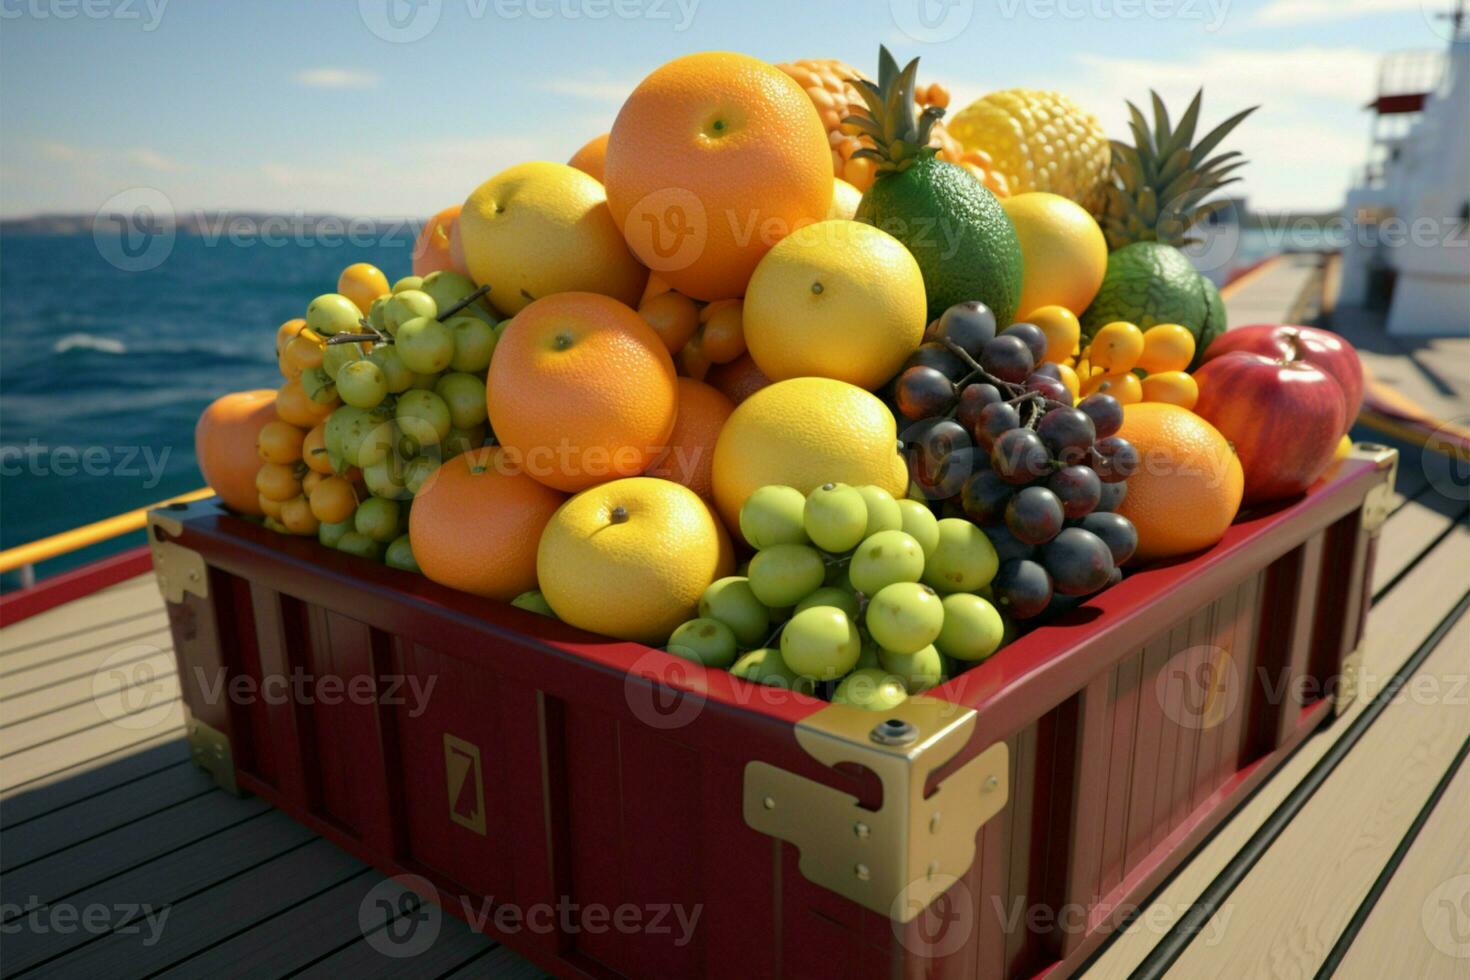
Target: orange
x,y
739,379
1188,485
475,524
295,406
581,390
1125,387
722,331
224,445
713,159
310,481
286,332
362,282
278,442
269,507
431,250
278,481
297,517
673,316
654,287
690,457
314,449
590,157
1174,387
333,500
629,558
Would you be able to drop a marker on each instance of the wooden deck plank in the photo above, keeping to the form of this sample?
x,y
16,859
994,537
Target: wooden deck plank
x,y
167,878
1284,917
98,814
48,661
70,625
131,845
109,678
324,929
1404,538
1396,626
1409,931
202,920
23,691
454,945
500,963
76,784
21,769
1271,293
129,708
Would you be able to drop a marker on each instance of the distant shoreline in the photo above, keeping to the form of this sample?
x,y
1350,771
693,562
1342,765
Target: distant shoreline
x,y
213,223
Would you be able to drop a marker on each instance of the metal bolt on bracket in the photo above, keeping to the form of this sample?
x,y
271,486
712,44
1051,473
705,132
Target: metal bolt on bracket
x,y
894,731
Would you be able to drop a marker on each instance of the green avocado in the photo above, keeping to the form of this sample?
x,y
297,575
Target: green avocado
x,y
962,239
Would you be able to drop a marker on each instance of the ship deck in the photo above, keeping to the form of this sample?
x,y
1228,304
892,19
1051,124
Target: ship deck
x,y
1337,864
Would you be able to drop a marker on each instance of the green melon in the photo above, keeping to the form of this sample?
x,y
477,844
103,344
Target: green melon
x,y
963,240
1148,283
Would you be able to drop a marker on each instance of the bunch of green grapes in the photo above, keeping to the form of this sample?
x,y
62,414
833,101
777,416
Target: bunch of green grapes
x,y
410,375
851,594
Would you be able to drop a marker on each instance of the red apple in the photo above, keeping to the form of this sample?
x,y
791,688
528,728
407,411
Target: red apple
x,y
1290,343
1283,416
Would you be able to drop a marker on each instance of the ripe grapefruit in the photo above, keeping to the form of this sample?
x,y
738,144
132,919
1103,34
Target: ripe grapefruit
x,y
837,299
802,433
1063,252
542,228
475,523
224,444
1188,485
630,558
712,160
581,390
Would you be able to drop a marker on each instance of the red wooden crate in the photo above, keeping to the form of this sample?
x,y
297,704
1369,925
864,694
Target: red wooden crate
x,y
568,776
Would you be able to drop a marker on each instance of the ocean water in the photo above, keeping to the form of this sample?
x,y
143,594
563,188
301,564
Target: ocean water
x,y
103,371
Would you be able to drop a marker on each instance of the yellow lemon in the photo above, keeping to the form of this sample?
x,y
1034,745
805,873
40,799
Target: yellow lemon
x,y
802,433
1061,328
542,228
1062,248
631,558
835,299
845,198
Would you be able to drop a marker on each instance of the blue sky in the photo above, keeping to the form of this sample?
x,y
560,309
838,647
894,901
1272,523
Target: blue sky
x,y
305,106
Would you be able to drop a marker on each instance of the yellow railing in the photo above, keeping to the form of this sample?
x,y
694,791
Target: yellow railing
x,y
26,556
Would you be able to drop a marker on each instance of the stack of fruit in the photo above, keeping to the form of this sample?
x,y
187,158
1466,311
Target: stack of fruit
x,y
921,407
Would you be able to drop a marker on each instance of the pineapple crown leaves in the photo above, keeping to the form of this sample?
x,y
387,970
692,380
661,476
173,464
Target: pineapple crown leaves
x,y
1162,179
900,135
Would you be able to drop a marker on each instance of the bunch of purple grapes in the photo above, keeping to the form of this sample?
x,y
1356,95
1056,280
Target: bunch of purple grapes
x,y
990,431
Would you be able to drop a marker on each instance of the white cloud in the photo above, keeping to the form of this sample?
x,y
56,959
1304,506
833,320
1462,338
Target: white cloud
x,y
1279,12
336,78
152,159
59,152
609,91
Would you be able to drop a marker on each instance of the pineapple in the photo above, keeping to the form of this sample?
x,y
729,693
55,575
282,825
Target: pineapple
x,y
1159,184
953,225
1040,141
831,85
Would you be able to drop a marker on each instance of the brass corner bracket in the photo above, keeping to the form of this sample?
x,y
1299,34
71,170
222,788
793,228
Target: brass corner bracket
x,y
210,749
897,859
1377,504
179,570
